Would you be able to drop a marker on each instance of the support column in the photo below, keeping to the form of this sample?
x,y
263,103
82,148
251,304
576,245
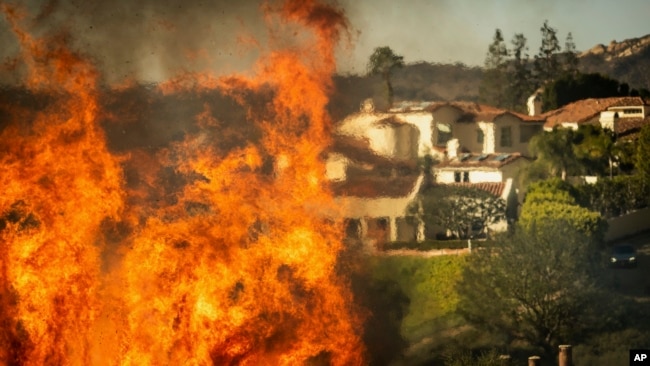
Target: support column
x,y
565,358
420,230
534,361
363,228
392,229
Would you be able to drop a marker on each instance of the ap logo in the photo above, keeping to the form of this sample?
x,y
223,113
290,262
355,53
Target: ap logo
x,y
639,357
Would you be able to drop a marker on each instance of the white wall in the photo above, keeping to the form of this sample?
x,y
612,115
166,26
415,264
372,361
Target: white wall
x,y
629,224
485,176
424,122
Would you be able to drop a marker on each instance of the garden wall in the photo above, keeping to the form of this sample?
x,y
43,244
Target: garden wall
x,y
629,224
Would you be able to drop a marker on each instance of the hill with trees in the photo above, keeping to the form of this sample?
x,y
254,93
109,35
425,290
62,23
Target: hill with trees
x,y
622,67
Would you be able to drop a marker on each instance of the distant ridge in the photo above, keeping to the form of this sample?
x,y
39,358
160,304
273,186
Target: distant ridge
x,y
626,48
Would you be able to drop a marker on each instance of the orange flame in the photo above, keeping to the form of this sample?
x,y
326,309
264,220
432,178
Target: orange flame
x,y
238,268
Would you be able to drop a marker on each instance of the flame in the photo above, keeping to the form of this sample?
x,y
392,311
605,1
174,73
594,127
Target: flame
x,y
59,184
236,267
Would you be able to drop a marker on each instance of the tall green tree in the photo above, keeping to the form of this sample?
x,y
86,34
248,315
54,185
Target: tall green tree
x,y
596,150
642,156
383,62
554,152
572,87
571,60
552,200
519,74
547,66
535,287
494,84
642,160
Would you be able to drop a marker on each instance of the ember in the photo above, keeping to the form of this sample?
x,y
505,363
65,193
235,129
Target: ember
x,y
211,249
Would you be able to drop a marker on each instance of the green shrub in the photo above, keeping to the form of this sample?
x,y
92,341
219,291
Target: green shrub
x,y
438,244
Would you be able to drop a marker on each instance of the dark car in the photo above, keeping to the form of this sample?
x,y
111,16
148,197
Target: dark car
x,y
623,256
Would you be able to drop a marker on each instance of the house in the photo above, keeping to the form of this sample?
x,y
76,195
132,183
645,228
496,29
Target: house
x,y
494,173
373,192
608,112
376,208
401,133
482,129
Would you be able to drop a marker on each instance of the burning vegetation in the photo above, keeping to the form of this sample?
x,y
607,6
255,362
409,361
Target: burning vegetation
x,y
201,242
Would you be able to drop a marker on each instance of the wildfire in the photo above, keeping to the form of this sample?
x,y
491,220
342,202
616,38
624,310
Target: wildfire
x,y
236,266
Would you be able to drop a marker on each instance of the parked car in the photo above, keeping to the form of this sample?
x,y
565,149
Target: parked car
x,y
623,256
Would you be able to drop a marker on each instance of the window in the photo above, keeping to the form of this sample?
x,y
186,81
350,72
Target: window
x,y
444,133
479,136
461,177
506,136
526,132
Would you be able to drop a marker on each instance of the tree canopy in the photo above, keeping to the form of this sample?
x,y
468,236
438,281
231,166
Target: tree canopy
x,y
495,78
552,200
382,62
459,209
534,287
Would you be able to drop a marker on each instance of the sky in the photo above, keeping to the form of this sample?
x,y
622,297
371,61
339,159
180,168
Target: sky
x,y
449,31
147,39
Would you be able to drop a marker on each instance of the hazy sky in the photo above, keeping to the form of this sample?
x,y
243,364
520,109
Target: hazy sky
x,y
461,30
149,38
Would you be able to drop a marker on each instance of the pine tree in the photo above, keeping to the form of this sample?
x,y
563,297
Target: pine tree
x,y
519,74
571,60
494,84
547,67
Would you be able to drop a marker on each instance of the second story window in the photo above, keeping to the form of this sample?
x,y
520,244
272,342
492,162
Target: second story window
x,y
506,136
479,136
444,133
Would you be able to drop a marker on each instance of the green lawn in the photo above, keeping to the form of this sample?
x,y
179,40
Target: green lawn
x,y
429,283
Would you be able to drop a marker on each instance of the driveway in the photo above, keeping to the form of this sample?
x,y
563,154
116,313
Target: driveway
x,y
634,282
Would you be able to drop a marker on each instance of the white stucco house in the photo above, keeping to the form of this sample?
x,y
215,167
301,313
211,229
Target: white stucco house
x,y
397,134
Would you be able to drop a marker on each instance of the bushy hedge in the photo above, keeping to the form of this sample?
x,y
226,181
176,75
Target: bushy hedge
x,y
428,283
438,244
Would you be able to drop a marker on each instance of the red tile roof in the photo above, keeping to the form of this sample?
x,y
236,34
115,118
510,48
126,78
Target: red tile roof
x,y
494,188
586,109
474,112
627,126
376,186
473,161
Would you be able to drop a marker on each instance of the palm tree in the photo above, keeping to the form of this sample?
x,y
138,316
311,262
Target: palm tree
x,y
382,62
554,150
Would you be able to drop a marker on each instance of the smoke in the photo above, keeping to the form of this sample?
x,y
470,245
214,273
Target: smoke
x,y
147,40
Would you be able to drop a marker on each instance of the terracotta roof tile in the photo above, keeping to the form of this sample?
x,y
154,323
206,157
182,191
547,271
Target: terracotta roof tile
x,y
627,126
376,186
586,109
473,112
494,188
470,161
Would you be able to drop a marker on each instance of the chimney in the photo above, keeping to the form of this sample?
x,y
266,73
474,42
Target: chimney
x,y
608,120
534,361
534,105
452,148
565,359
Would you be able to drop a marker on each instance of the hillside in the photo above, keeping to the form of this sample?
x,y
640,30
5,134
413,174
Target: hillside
x,y
627,61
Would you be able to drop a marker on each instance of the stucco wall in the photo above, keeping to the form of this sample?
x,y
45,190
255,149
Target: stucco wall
x,y
632,223
421,120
